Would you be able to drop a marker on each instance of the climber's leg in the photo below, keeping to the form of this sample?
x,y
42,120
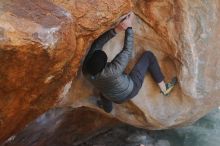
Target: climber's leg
x,y
156,73
146,63
105,104
138,73
154,67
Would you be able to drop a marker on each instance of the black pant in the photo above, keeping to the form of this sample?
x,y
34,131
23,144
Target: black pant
x,y
147,62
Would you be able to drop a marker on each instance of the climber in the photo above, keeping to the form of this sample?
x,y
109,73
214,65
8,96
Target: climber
x,y
109,77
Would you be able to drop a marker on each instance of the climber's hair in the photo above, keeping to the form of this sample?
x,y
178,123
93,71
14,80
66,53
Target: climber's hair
x,y
97,62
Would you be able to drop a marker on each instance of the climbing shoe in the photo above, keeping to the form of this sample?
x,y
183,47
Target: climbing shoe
x,y
169,86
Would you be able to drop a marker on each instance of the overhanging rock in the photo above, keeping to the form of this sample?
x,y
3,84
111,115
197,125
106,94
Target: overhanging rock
x,y
42,44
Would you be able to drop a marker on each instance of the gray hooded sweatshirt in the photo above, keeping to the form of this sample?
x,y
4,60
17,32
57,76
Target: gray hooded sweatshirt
x,y
112,82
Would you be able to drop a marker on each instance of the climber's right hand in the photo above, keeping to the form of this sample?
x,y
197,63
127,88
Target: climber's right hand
x,y
125,23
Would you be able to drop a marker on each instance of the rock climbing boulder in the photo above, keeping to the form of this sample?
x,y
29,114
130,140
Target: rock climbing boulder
x,y
183,35
41,46
43,43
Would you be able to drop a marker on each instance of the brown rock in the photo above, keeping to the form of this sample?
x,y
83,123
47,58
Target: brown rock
x,y
62,127
37,68
181,38
41,46
35,58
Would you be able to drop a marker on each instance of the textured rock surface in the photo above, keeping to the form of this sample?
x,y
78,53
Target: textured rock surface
x,y
43,42
35,59
41,46
62,127
183,38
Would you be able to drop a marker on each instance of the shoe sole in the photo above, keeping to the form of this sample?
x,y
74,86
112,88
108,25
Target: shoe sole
x,y
173,82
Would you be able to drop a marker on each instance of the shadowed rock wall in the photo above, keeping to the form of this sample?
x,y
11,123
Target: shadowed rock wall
x,y
62,127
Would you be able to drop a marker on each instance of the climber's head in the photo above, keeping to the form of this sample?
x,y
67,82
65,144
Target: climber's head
x,y
97,62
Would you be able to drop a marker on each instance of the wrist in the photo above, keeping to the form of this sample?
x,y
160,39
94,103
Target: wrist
x,y
117,30
129,27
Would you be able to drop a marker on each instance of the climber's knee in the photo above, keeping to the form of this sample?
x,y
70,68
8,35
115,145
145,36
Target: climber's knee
x,y
150,56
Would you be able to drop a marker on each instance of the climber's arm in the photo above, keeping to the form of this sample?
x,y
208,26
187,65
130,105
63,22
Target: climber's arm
x,y
104,38
98,45
100,41
119,63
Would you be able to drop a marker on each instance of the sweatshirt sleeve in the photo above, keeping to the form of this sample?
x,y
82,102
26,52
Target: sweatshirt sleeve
x,y
120,62
98,45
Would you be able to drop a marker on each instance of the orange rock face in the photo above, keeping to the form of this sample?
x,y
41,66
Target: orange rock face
x,y
42,44
35,61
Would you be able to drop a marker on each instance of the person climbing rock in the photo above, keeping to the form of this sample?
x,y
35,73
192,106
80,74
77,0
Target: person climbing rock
x,y
109,77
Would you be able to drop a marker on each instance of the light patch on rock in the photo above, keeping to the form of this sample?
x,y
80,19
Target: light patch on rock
x,y
6,25
1,34
100,14
65,90
11,138
48,79
162,143
190,73
68,15
48,37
